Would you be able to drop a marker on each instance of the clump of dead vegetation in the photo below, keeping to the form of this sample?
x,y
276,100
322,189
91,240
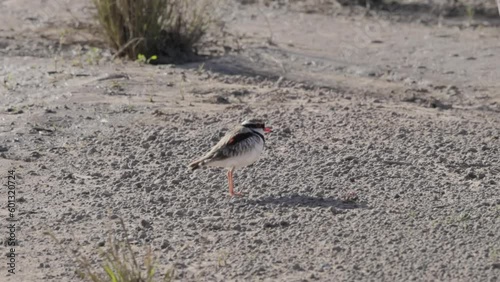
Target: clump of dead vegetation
x,y
168,29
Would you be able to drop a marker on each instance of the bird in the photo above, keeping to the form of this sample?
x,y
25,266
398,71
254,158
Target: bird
x,y
240,147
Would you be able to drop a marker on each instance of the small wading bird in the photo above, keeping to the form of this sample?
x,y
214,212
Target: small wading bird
x,y
240,147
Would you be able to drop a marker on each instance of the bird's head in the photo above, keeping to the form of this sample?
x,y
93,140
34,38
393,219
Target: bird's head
x,y
256,124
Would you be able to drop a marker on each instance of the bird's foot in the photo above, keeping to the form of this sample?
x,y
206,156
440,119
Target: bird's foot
x,y
237,194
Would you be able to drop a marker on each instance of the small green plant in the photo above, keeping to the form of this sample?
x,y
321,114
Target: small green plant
x,y
464,217
494,254
469,10
200,68
412,213
116,84
130,108
93,56
461,219
435,223
8,82
76,63
222,259
142,59
62,36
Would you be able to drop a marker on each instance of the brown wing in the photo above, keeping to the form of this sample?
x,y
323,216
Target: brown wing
x,y
228,139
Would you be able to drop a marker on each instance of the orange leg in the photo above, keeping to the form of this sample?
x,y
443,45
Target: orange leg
x,y
231,183
230,179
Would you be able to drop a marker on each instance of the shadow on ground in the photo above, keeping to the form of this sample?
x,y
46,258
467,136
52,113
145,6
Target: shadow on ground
x,y
307,201
429,12
450,11
233,64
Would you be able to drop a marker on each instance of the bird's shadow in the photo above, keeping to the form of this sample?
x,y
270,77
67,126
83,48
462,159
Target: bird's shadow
x,y
308,201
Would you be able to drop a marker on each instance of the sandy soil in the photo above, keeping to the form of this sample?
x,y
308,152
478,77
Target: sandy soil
x,y
383,166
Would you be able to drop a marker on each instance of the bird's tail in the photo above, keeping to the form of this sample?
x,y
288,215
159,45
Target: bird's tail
x,y
196,164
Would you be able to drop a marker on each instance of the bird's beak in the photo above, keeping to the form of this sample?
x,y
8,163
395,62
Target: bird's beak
x,y
267,129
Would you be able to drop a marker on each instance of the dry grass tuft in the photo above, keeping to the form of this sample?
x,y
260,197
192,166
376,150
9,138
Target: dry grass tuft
x,y
119,263
168,29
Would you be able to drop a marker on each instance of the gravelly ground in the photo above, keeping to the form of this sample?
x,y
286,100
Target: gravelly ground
x,y
353,185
